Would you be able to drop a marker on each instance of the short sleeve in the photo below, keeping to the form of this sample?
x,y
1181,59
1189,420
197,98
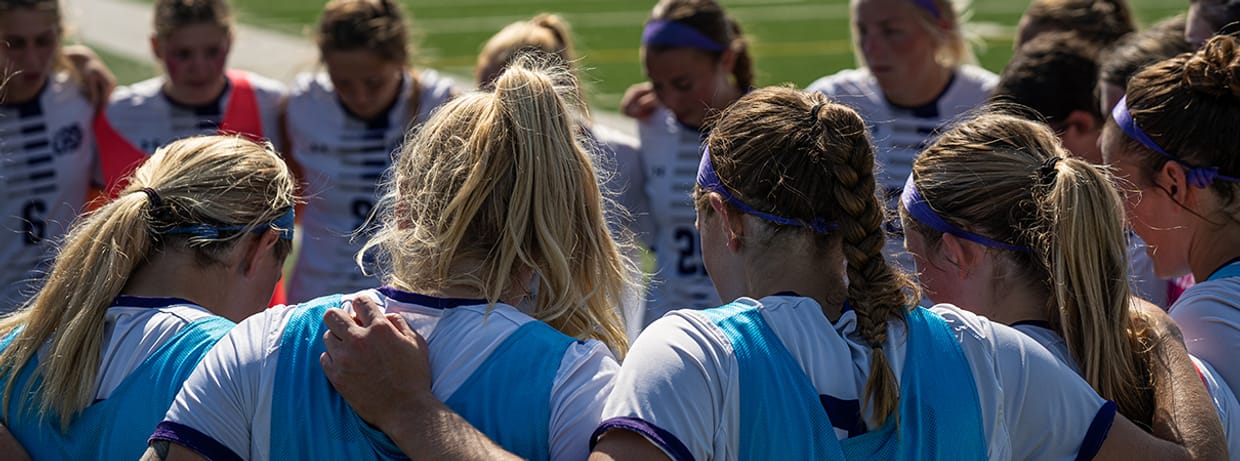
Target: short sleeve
x,y
585,379
673,388
1040,392
214,411
1209,317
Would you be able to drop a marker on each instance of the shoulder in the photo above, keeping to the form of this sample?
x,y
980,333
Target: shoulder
x,y
134,94
265,86
1213,294
310,90
436,84
977,76
845,82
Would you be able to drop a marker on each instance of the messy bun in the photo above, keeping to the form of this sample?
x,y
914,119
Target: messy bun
x,y
1215,70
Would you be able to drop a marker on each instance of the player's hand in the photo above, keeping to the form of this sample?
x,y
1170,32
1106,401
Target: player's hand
x,y
376,362
639,101
97,80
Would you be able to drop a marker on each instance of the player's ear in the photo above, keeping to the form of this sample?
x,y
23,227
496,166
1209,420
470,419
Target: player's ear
x,y
156,49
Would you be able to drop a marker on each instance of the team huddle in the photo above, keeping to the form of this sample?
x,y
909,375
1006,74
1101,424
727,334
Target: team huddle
x,y
914,259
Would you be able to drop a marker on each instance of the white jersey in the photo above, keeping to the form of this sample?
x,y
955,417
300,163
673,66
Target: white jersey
x,y
343,160
671,153
48,151
619,163
1208,314
148,119
1023,391
235,376
1223,399
900,134
134,329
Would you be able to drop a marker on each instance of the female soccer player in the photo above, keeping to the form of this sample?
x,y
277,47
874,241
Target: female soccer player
x,y
803,365
48,146
1035,239
698,63
195,96
1185,187
494,248
344,125
141,289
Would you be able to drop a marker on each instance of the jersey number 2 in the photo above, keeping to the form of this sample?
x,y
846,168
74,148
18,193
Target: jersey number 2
x,y
688,259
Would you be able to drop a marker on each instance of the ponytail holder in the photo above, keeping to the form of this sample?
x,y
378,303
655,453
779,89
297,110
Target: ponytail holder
x,y
1047,172
813,112
153,196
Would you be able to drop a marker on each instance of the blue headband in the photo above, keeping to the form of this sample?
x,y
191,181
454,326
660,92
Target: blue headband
x,y
709,181
929,6
1197,176
920,209
284,224
675,34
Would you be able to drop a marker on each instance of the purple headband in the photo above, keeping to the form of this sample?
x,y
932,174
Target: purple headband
x,y
675,34
1197,176
709,181
930,7
920,209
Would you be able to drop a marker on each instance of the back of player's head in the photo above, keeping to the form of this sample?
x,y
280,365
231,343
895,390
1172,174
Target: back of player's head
x,y
172,15
1054,74
1202,137
548,33
1131,53
378,26
195,198
1099,21
709,29
495,188
1005,183
800,157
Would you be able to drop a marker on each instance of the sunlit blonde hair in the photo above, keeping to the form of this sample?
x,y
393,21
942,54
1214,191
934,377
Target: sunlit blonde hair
x,y
954,48
215,180
991,175
496,184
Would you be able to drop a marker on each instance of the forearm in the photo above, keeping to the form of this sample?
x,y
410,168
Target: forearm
x,y
1183,412
431,430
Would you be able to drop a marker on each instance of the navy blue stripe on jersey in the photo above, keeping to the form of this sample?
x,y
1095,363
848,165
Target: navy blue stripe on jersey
x,y
660,437
1097,433
149,301
428,301
191,438
1033,323
845,415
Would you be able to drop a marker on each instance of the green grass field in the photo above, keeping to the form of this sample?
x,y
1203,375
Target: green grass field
x,y
793,41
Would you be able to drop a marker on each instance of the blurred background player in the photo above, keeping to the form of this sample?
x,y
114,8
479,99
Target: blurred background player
x,y
697,62
344,125
917,76
1099,21
141,288
46,144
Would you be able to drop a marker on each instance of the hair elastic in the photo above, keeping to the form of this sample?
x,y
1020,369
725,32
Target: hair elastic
x,y
709,181
153,196
813,112
1047,172
284,224
675,34
1197,176
930,7
920,209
